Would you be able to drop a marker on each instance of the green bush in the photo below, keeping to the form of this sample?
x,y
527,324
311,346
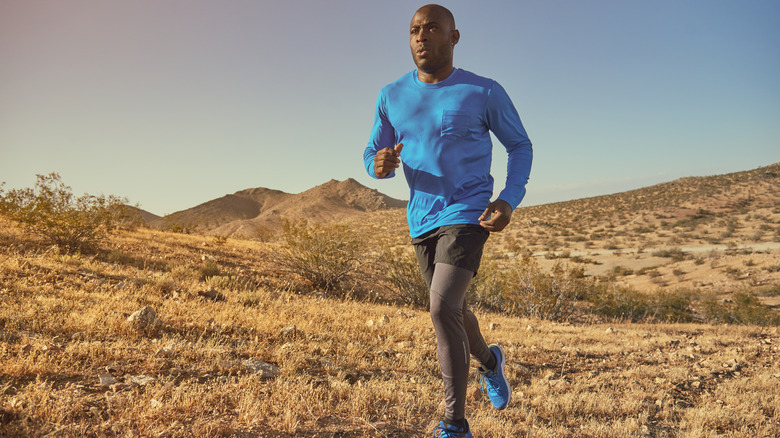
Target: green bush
x,y
524,289
744,309
51,211
628,304
618,302
327,255
403,276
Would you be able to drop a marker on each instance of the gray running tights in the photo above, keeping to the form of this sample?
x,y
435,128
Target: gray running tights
x,y
457,334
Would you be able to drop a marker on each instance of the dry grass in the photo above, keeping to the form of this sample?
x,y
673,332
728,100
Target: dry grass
x,y
348,369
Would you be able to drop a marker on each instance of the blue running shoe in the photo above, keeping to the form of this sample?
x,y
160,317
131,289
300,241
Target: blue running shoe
x,y
446,430
494,382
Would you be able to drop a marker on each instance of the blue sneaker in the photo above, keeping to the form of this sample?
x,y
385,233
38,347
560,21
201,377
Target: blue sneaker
x,y
446,430
495,382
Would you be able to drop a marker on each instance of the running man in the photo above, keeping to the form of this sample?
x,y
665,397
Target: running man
x,y
436,121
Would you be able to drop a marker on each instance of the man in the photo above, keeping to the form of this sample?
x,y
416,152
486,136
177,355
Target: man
x,y
436,121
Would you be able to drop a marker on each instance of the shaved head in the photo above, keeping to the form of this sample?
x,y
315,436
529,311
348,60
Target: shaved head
x,y
441,10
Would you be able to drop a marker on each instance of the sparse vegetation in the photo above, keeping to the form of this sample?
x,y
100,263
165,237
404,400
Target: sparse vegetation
x,y
51,211
327,255
742,309
579,333
405,283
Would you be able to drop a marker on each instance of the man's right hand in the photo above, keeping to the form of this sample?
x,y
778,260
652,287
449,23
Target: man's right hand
x,y
387,160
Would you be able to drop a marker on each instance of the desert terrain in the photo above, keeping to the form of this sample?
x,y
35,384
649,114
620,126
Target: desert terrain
x,y
188,326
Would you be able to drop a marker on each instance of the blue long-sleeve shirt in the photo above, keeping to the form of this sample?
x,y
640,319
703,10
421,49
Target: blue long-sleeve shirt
x,y
447,152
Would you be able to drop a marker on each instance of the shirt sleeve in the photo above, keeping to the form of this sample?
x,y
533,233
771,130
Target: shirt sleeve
x,y
382,136
503,120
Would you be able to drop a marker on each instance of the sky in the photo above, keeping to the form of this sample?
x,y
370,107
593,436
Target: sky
x,y
172,103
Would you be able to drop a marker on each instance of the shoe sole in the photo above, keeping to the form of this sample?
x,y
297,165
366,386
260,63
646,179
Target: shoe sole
x,y
501,367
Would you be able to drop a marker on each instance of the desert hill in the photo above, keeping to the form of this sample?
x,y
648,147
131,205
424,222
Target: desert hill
x,y
714,233
738,207
758,188
253,211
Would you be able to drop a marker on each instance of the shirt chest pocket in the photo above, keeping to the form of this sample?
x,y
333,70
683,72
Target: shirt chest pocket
x,y
460,124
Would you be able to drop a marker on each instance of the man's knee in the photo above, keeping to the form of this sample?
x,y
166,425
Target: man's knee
x,y
443,311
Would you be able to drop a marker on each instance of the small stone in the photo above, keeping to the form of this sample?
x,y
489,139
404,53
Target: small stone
x,y
142,380
529,328
609,330
262,369
144,319
493,326
156,404
107,380
52,348
289,332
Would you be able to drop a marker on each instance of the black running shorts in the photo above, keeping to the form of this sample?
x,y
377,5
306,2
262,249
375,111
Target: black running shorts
x,y
457,245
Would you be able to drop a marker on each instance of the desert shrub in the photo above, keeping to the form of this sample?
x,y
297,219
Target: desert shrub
x,y
546,295
743,309
676,254
404,279
622,271
51,211
525,289
326,255
619,302
624,303
209,269
670,307
489,290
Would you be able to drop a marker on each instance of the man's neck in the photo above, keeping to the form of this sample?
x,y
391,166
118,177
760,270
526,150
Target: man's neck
x,y
434,77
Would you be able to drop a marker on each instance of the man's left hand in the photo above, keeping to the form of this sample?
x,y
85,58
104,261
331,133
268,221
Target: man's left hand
x,y
496,216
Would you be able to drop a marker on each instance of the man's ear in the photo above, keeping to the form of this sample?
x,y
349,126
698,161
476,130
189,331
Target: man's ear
x,y
455,36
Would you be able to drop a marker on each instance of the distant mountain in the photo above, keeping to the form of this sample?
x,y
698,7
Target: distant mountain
x,y
252,211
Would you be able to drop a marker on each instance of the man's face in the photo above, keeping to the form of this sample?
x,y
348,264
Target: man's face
x,y
432,38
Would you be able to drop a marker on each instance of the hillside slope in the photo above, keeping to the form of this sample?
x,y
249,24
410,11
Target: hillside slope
x,y
251,212
235,355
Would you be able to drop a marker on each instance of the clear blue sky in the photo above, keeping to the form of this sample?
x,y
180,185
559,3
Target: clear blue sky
x,y
172,103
